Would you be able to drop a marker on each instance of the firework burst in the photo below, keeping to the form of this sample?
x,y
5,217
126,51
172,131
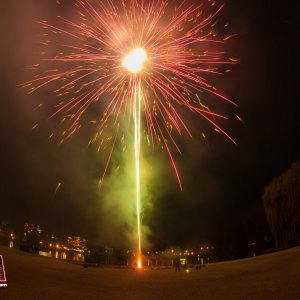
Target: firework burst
x,y
89,66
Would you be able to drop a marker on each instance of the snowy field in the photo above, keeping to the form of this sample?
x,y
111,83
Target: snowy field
x,y
271,276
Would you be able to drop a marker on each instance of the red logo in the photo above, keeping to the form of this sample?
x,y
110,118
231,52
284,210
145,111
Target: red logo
x,y
2,270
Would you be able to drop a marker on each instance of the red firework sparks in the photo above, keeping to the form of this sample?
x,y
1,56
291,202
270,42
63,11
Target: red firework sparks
x,y
88,67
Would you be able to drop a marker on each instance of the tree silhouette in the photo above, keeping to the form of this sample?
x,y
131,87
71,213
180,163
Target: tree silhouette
x,y
281,199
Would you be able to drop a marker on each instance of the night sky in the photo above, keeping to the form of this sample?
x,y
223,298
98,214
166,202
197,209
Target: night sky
x,y
222,183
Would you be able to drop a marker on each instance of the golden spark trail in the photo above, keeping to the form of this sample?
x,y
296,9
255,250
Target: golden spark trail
x,y
134,63
137,150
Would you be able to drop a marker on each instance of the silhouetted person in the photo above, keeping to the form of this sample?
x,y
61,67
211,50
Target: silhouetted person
x,y
177,264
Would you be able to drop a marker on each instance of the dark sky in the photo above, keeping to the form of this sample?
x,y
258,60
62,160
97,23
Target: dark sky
x,y
222,183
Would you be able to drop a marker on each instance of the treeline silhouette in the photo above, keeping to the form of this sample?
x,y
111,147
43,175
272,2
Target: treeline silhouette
x,y
281,199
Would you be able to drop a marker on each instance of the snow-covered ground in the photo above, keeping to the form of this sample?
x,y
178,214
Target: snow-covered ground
x,y
271,276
